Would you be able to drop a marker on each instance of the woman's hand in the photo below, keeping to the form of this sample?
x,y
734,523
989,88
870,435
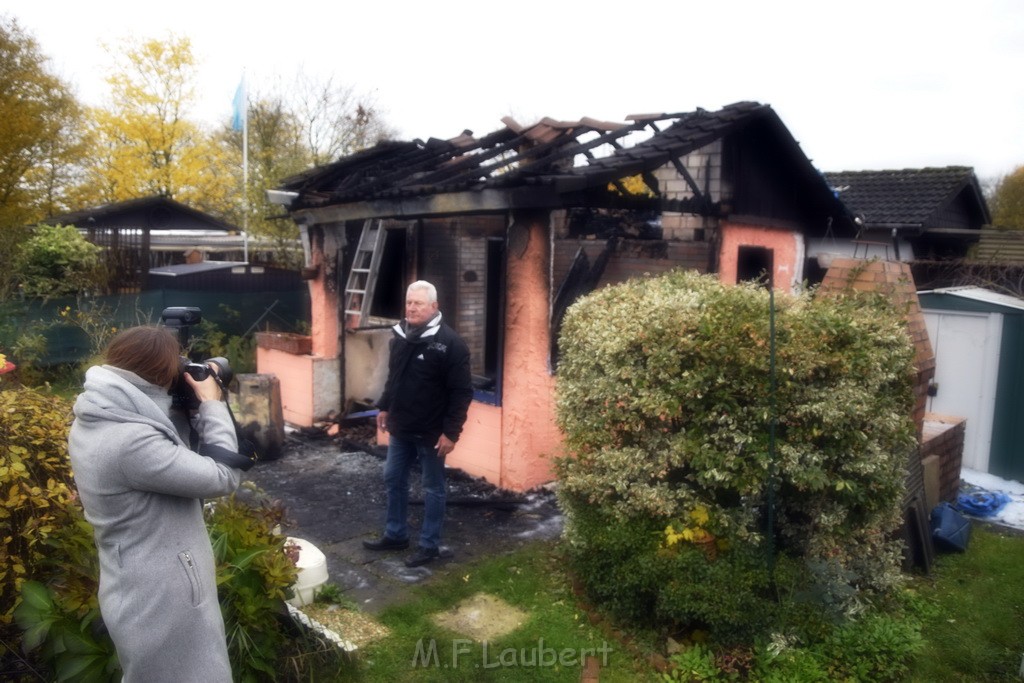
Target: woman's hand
x,y
208,389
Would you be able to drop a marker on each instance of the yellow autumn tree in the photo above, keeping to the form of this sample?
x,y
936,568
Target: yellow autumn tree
x,y
144,143
38,141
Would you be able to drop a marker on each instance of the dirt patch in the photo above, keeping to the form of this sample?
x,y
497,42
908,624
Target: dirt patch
x,y
482,617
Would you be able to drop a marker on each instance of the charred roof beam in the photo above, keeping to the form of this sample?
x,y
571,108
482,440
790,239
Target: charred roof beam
x,y
571,146
683,171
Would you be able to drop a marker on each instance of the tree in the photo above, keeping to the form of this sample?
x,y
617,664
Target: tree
x,y
38,138
275,151
1007,202
144,143
335,120
310,124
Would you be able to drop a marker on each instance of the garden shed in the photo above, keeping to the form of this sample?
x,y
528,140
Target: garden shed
x,y
977,335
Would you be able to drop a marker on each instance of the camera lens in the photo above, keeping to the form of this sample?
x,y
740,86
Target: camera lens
x,y
198,371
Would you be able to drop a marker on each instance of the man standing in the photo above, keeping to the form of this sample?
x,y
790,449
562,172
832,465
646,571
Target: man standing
x,y
423,408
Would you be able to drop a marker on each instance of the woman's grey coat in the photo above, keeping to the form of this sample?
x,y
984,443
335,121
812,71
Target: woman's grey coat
x,y
142,489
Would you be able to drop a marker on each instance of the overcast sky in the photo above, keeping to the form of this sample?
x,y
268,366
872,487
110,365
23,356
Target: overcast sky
x,y
861,84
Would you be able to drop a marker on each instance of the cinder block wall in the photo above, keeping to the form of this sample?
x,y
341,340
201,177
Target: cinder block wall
x,y
705,168
470,320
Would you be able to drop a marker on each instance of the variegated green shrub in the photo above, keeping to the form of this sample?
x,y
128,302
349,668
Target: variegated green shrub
x,y
36,486
666,400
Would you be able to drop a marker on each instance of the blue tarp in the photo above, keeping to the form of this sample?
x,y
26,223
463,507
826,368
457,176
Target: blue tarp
x,y
981,503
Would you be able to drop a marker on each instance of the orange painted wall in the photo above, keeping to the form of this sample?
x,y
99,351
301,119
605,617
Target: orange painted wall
x,y
787,247
323,302
529,434
295,374
478,451
310,383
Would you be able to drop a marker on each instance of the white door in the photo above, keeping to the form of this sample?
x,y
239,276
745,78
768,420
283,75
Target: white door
x,y
966,347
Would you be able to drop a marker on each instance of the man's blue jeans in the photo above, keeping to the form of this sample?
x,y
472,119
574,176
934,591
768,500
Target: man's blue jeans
x,y
402,453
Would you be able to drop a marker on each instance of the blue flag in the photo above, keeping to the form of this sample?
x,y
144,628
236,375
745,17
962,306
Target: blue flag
x,y
238,118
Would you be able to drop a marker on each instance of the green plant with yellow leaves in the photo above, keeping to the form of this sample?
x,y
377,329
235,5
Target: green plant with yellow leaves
x,y
691,530
37,492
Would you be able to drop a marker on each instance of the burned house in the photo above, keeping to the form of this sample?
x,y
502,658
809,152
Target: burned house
x,y
515,225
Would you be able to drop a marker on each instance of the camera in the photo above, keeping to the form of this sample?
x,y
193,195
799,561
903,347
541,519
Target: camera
x,y
182,319
184,395
201,371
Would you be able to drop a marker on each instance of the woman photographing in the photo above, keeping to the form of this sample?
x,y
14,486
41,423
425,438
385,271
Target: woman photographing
x,y
142,488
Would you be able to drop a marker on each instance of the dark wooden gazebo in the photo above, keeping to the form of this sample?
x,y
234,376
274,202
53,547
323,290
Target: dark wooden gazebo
x,y
139,234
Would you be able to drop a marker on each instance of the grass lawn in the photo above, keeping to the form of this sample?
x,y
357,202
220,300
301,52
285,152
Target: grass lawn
x,y
548,646
975,605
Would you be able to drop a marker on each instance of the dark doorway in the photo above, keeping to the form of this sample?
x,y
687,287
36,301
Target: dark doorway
x,y
392,279
487,387
755,264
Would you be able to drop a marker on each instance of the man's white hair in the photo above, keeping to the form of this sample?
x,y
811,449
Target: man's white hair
x,y
430,289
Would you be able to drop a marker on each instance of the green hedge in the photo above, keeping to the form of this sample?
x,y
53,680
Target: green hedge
x,y
667,405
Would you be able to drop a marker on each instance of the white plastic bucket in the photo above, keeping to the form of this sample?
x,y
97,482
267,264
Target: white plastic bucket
x,y
312,566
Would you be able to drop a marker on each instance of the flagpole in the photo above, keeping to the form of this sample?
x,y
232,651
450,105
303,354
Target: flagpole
x,y
245,168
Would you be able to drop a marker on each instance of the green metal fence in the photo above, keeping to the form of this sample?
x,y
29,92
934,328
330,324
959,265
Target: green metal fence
x,y
235,313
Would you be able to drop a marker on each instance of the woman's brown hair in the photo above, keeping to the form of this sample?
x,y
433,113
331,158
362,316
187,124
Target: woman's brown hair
x,y
151,352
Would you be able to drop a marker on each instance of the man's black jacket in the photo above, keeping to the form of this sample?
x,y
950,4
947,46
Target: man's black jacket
x,y
429,386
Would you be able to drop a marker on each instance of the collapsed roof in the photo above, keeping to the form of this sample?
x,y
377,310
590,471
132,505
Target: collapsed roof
x,y
559,164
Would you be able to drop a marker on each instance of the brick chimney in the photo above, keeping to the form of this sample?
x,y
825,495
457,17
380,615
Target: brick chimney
x,y
894,279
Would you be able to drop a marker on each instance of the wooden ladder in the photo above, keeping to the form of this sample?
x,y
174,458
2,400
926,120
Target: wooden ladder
x,y
362,278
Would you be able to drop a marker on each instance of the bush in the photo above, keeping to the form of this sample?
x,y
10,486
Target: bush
x,y
878,647
665,400
57,261
36,487
254,576
211,341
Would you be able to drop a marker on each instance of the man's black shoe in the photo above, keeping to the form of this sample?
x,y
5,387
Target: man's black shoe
x,y
422,557
386,543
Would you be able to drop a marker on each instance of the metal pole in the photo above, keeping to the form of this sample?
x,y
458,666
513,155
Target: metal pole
x,y
772,474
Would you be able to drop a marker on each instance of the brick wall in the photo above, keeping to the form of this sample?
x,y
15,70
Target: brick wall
x,y
944,438
895,280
